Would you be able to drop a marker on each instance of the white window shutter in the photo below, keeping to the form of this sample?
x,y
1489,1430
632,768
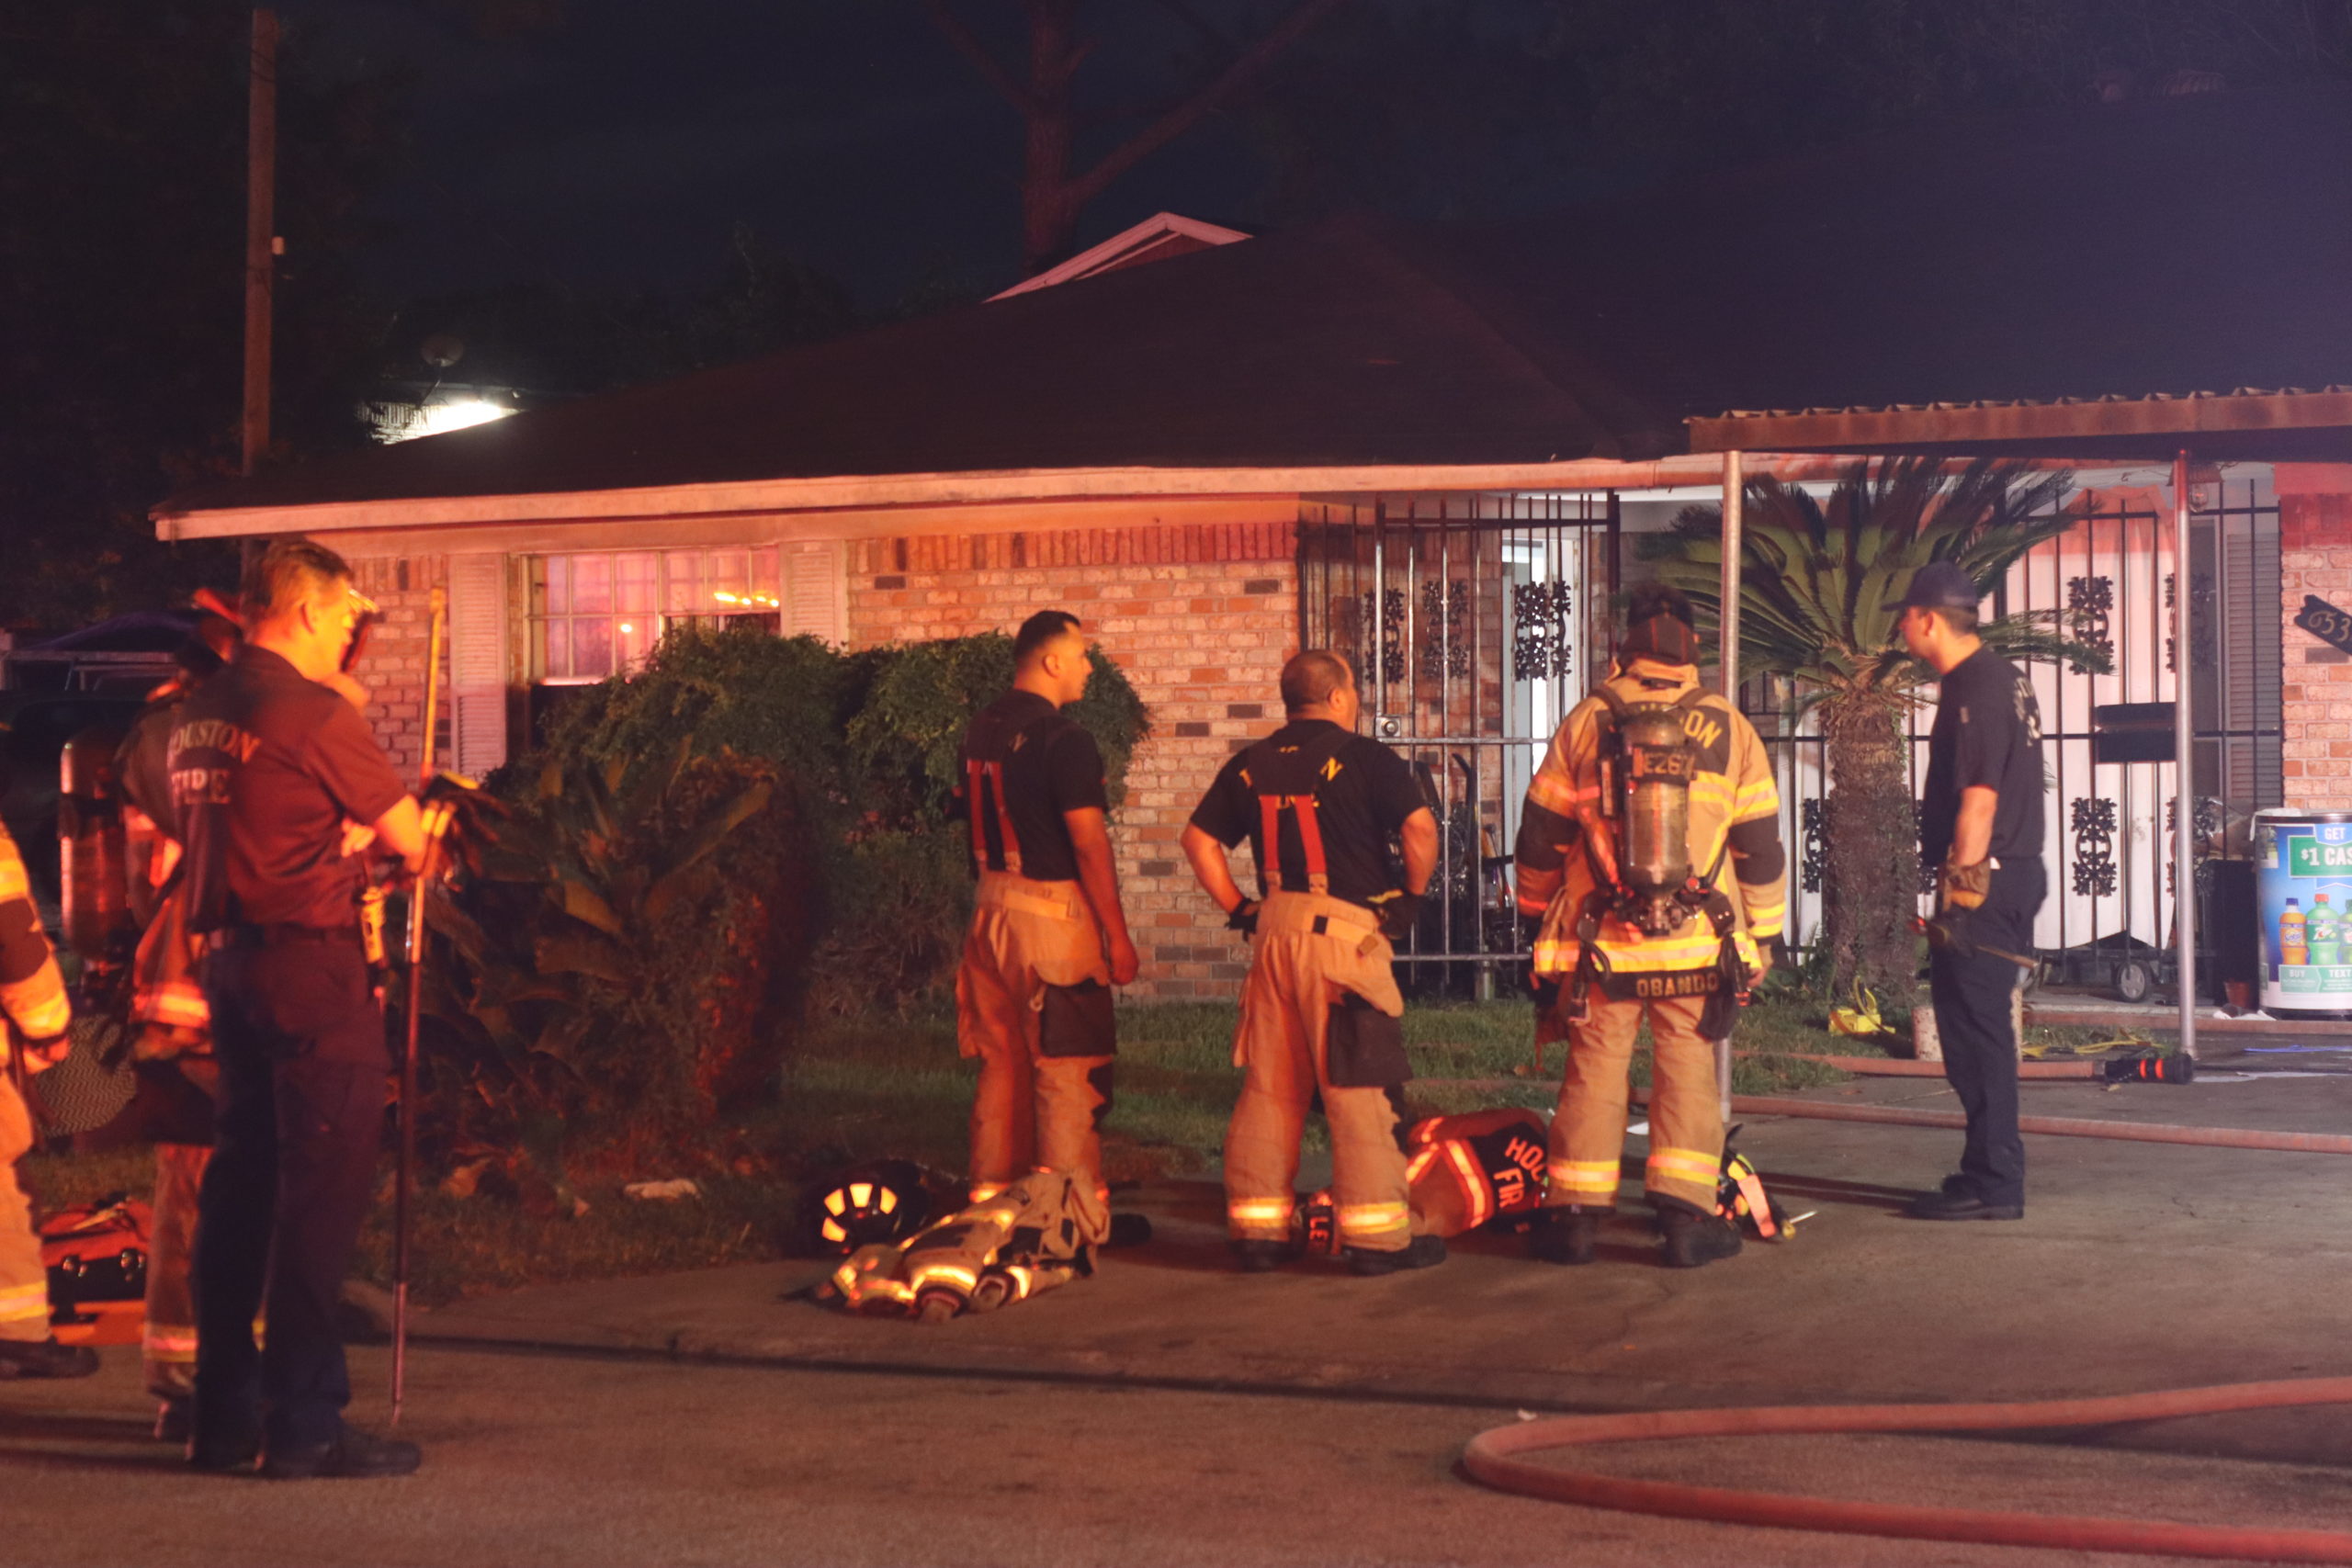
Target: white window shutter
x,y
816,590
478,664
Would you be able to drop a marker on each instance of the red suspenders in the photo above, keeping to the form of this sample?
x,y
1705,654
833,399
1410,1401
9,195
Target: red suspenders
x,y
1311,838
993,773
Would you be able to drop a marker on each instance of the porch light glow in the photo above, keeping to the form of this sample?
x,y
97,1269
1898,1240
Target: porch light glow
x,y
440,418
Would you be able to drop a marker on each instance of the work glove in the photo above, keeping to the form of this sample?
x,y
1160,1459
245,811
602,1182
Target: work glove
x,y
1961,886
1546,989
1774,951
1243,917
1399,912
1952,931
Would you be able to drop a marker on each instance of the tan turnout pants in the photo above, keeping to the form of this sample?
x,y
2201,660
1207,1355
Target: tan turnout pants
x,y
1686,1119
1040,1101
24,1283
1296,974
167,1344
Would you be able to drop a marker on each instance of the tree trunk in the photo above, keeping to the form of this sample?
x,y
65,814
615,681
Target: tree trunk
x,y
1871,878
1049,201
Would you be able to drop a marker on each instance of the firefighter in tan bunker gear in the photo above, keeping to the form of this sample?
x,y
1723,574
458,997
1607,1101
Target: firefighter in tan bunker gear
x,y
1674,930
32,994
1048,939
1320,1008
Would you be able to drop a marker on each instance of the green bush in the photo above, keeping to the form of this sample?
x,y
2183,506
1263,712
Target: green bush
x,y
871,738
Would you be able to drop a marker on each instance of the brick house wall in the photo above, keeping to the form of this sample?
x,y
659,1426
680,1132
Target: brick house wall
x,y
1201,616
2316,687
393,667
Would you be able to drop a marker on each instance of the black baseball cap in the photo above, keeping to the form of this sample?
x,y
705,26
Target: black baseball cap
x,y
1939,585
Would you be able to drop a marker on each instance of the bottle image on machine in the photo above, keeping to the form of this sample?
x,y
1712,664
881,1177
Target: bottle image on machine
x,y
2292,950
2324,933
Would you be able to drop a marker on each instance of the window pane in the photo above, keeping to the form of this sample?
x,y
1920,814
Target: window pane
x,y
763,579
592,584
637,638
558,581
728,579
555,649
682,589
591,647
636,581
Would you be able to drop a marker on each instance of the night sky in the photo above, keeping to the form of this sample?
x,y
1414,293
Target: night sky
x,y
620,145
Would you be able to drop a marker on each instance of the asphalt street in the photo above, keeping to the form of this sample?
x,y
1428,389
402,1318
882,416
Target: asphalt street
x,y
595,1459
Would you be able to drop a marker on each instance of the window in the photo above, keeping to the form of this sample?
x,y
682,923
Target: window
x,y
600,614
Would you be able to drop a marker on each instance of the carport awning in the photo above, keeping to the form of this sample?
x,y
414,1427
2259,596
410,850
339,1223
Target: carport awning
x,y
2246,425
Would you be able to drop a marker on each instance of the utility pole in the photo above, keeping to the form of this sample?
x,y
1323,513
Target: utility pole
x,y
261,235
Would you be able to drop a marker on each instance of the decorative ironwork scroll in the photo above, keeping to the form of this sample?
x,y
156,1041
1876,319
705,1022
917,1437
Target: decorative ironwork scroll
x,y
1539,643
2092,821
1813,829
2090,601
1445,629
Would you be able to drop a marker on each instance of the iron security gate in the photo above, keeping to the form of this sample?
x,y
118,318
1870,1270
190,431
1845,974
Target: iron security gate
x,y
1475,622
2111,578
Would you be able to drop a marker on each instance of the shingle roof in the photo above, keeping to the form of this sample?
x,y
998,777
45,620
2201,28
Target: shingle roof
x,y
2122,250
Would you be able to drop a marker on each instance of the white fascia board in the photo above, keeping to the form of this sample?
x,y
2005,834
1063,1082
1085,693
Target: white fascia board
x,y
1119,244
925,490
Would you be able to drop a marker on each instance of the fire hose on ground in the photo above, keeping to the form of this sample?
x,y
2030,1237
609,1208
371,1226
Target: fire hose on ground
x,y
1495,1457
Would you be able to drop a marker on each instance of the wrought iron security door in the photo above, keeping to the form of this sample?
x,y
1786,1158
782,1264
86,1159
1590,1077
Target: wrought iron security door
x,y
2109,826
1475,622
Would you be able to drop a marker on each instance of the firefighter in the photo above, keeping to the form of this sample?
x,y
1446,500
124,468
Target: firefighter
x,y
1048,939
32,994
1649,849
1980,826
172,1040
1320,1009
268,765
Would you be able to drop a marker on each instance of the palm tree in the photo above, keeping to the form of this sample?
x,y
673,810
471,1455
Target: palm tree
x,y
1818,574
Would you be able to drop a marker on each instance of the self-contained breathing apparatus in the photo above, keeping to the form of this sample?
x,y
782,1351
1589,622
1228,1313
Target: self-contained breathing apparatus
x,y
1637,840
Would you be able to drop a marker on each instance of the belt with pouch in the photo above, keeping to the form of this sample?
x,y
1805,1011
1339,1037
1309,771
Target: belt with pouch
x,y
279,934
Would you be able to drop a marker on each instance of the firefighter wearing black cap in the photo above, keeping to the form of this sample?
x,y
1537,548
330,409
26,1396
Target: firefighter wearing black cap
x,y
1048,939
32,1038
1980,826
1649,848
1320,1009
274,777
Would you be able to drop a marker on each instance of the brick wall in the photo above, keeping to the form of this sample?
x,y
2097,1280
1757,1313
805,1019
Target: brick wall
x,y
1200,616
393,667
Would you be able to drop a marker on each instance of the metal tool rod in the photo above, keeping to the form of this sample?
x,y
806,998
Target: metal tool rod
x,y
404,1179
261,236
2184,731
1727,662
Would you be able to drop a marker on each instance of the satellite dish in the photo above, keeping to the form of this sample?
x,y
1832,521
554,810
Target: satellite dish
x,y
441,350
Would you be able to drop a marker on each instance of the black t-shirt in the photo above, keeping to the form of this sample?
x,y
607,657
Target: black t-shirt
x,y
1364,799
1051,765
1988,734
265,769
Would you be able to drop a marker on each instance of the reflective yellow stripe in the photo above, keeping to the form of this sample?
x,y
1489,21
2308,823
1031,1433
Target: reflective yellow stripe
x,y
1372,1219
38,1003
1258,1210
13,883
1583,1175
177,1004
1420,1162
1758,797
981,1191
24,1304
1473,1178
954,1273
1684,1165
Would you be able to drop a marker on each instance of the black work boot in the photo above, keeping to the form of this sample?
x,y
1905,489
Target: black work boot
x,y
1567,1233
45,1358
1263,1257
1421,1252
1692,1239
350,1455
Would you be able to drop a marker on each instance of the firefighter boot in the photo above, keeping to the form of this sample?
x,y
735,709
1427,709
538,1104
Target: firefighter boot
x,y
1566,1233
1693,1239
1253,1256
1421,1252
45,1358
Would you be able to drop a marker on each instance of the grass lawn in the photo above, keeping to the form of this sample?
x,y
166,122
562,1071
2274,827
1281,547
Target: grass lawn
x,y
863,1088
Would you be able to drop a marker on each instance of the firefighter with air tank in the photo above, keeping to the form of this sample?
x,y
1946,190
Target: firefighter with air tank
x,y
1650,851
